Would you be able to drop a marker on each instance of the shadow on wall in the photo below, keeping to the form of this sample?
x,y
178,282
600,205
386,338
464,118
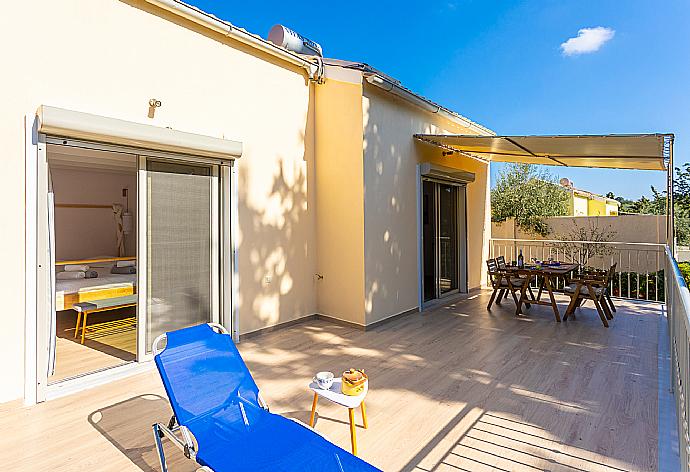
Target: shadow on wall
x,y
276,241
390,247
391,156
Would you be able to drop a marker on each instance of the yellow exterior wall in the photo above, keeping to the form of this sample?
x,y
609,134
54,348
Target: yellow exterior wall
x,y
596,207
340,200
390,214
583,205
109,58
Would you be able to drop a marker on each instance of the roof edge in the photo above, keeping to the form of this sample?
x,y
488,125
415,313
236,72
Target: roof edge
x,y
406,94
389,84
213,23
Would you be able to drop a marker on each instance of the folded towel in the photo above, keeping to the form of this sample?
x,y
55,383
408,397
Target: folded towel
x,y
90,274
126,263
70,275
123,270
76,268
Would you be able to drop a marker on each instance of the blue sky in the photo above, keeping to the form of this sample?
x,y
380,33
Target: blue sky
x,y
500,63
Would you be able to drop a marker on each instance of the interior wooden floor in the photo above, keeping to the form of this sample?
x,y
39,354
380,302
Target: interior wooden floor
x,y
99,351
454,389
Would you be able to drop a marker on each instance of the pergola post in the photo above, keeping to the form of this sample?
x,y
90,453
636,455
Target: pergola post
x,y
670,211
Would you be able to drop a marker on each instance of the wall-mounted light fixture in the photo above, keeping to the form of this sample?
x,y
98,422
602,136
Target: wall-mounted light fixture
x,y
153,104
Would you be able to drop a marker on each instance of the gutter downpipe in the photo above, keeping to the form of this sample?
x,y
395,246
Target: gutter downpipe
x,y
315,71
423,103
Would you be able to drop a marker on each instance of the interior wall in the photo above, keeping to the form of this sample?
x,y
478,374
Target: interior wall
x,y
125,53
83,233
340,199
390,208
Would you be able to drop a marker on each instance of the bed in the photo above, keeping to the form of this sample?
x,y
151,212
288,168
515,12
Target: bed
x,y
106,285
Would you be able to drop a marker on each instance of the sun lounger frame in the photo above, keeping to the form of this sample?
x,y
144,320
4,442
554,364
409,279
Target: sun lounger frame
x,y
186,444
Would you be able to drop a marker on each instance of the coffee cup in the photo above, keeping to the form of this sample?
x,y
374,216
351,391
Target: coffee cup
x,y
324,379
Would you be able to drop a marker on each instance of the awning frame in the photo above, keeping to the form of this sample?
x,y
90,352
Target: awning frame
x,y
593,151
663,158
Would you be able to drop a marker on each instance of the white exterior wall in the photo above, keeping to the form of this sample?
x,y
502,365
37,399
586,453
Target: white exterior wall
x,y
109,58
580,206
391,156
611,209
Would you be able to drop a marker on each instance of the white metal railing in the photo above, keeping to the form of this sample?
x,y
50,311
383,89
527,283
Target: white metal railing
x,y
678,312
639,266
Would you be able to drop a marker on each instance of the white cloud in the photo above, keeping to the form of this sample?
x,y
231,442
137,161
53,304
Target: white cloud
x,y
587,40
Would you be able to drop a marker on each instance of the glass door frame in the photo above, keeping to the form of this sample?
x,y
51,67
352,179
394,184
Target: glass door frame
x,y
38,265
439,293
217,238
461,235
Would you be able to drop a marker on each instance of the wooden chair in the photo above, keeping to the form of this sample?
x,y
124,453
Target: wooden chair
x,y
503,282
501,263
607,277
591,286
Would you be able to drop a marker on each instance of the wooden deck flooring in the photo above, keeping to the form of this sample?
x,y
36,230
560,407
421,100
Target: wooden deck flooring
x,y
98,352
455,389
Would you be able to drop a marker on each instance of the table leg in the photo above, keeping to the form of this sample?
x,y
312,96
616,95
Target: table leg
x,y
83,327
313,409
573,303
76,328
364,416
549,288
353,435
520,301
541,288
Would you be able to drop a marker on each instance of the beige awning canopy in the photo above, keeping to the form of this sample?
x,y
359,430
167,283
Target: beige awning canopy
x,y
622,151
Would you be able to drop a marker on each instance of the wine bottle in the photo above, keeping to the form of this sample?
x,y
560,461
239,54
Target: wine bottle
x,y
521,260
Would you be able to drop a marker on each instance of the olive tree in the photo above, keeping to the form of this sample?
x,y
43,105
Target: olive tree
x,y
527,193
582,242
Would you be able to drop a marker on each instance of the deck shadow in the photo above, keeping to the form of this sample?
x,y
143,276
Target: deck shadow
x,y
127,426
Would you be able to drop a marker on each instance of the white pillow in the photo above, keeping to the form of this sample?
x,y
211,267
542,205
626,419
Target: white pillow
x,y
70,275
76,268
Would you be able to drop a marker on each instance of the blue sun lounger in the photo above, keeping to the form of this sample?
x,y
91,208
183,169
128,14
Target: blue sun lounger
x,y
219,418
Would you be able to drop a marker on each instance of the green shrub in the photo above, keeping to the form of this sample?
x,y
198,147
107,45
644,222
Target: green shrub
x,y
685,270
641,286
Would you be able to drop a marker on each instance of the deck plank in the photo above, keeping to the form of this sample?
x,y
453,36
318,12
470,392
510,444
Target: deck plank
x,y
456,388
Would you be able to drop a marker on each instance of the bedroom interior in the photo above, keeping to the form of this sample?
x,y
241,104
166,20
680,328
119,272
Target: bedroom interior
x,y
94,196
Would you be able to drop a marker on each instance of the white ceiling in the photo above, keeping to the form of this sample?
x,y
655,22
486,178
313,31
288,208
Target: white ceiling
x,y
70,157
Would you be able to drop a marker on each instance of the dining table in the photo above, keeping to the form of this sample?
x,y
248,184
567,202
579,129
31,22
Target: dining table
x,y
546,274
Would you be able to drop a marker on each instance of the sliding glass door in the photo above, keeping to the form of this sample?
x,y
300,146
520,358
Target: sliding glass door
x,y
443,239
429,239
177,239
181,285
448,238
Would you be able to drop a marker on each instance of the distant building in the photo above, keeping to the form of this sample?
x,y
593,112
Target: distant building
x,y
584,203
